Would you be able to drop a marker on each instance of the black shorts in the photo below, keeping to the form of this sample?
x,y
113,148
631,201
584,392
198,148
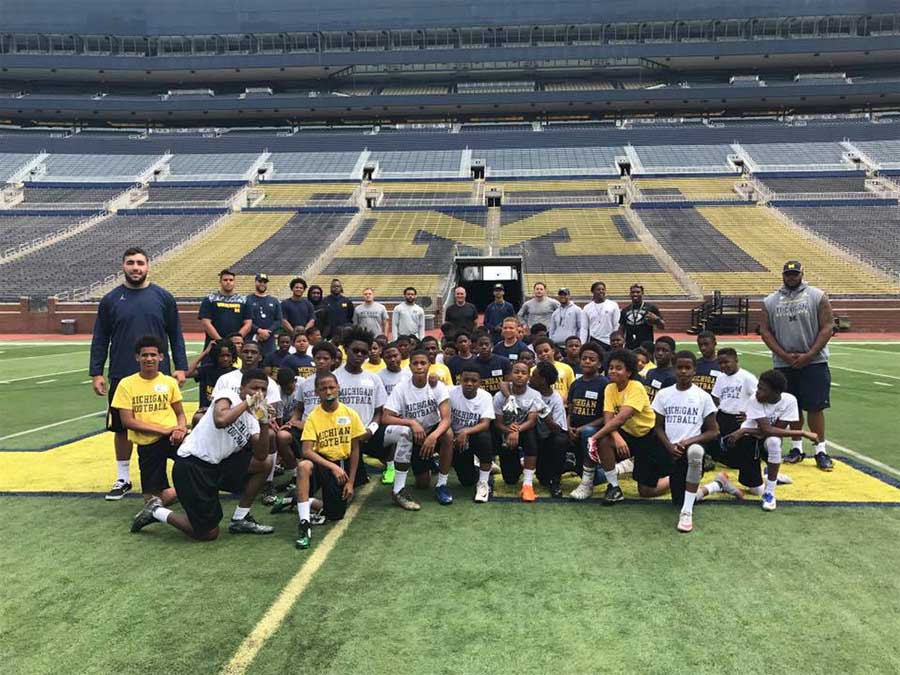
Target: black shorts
x,y
651,461
152,462
198,484
113,418
744,456
811,385
332,493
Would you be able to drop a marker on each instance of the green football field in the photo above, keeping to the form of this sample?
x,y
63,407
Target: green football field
x,y
497,588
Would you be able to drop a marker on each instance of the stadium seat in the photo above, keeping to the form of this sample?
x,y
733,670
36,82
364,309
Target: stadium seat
x,y
305,194
713,187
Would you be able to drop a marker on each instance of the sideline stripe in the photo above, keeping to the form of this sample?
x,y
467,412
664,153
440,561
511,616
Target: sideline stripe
x,y
45,357
883,384
831,366
864,458
34,377
275,615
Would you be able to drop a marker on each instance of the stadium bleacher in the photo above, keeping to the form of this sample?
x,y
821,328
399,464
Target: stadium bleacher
x,y
188,195
675,159
813,185
884,154
708,187
553,191
11,163
16,229
413,164
417,193
599,161
796,156
314,165
37,196
308,194
225,166
95,168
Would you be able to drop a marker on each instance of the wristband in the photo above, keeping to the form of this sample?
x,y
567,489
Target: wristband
x,y
372,427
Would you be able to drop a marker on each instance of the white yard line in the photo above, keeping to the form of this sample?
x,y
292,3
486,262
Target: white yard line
x,y
834,367
45,381
883,384
34,377
43,356
864,458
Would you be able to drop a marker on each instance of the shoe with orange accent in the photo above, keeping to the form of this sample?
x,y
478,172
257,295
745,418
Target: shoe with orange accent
x,y
527,493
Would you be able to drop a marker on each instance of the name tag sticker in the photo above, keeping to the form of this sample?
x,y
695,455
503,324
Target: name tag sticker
x,y
591,395
343,420
513,357
496,373
656,384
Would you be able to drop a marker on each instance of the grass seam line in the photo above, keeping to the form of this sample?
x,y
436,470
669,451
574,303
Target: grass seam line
x,y
278,610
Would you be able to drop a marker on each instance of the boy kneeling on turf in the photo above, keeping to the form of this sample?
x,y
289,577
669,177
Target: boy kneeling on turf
x,y
227,451
330,452
517,415
149,404
471,414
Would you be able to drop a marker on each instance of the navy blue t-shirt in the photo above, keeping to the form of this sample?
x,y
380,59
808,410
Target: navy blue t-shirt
x,y
658,378
493,371
586,400
297,312
265,312
511,353
227,313
274,361
302,364
707,374
207,376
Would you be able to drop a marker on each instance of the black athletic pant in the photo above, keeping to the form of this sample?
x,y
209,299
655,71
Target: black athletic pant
x,y
510,464
481,445
552,457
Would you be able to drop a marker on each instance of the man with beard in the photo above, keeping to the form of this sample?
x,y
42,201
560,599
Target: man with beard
x,y
224,312
639,318
602,316
297,310
265,315
340,310
126,313
408,317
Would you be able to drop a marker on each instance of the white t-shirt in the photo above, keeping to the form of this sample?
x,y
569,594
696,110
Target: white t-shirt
x,y
735,391
364,392
211,444
557,409
232,382
418,403
391,380
467,412
684,410
783,410
527,402
306,393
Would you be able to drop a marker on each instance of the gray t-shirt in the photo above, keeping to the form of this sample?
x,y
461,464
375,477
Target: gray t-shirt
x,y
794,320
371,317
535,311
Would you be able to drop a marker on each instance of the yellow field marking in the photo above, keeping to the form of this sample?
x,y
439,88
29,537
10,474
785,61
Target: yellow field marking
x,y
275,615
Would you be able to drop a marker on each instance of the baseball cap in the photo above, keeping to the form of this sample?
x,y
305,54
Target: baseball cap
x,y
498,287
563,291
792,266
262,277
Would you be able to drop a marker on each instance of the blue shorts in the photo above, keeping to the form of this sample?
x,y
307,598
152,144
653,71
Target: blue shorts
x,y
811,385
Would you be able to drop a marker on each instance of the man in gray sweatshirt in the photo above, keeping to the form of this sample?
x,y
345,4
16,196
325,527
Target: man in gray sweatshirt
x,y
540,308
408,318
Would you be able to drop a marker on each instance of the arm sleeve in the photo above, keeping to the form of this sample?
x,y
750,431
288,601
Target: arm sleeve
x,y
205,309
309,430
176,337
583,326
100,340
279,315
421,316
395,317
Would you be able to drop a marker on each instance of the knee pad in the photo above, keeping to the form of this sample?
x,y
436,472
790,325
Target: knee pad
x,y
403,452
695,463
773,449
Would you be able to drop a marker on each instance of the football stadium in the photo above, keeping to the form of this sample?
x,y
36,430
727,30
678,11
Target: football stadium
x,y
547,337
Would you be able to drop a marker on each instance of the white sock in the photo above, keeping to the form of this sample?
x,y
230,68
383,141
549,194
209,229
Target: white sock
x,y
612,477
240,512
303,509
123,470
712,488
442,479
587,476
689,498
272,468
529,477
758,490
771,485
390,465
797,445
820,447
162,514
399,480
484,476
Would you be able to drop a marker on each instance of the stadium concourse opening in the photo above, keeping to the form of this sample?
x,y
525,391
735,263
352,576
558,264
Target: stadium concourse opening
x,y
479,276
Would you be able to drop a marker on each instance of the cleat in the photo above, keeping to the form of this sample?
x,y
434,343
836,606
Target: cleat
x,y
269,494
145,517
304,535
626,466
795,456
582,492
613,495
317,518
119,489
555,490
482,492
768,501
784,479
248,525
527,493
405,501
728,487
387,476
443,496
282,504
823,461
685,522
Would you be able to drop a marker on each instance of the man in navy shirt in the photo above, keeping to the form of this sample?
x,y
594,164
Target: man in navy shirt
x,y
125,314
297,310
340,309
498,310
224,312
265,315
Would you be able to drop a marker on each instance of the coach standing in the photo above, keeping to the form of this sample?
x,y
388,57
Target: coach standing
x,y
224,312
128,312
639,318
796,324
602,315
340,310
265,315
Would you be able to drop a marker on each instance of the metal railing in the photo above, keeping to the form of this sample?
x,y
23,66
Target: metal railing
x,y
39,242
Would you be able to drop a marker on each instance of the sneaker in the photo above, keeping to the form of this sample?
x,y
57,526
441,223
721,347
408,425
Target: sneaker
x,y
290,486
784,479
795,456
317,518
248,525
405,501
119,489
626,466
613,495
283,503
482,492
145,515
768,501
304,535
279,470
495,469
443,496
527,493
685,522
387,476
569,465
555,490
582,492
823,461
269,494
599,476
728,487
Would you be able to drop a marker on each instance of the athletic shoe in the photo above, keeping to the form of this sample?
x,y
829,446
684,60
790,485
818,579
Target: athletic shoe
x,y
569,466
443,496
768,501
599,476
290,486
784,479
613,495
269,494
795,456
248,525
685,522
482,492
405,501
495,469
119,489
709,464
279,470
387,476
728,487
582,492
317,518
625,466
555,490
282,504
304,535
145,517
823,461
527,493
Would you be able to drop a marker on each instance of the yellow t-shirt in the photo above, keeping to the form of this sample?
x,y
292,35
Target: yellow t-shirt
x,y
150,401
634,396
442,372
646,369
565,378
372,368
333,432
404,364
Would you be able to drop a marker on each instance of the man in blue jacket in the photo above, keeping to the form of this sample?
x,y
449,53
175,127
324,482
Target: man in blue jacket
x,y
128,312
498,310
